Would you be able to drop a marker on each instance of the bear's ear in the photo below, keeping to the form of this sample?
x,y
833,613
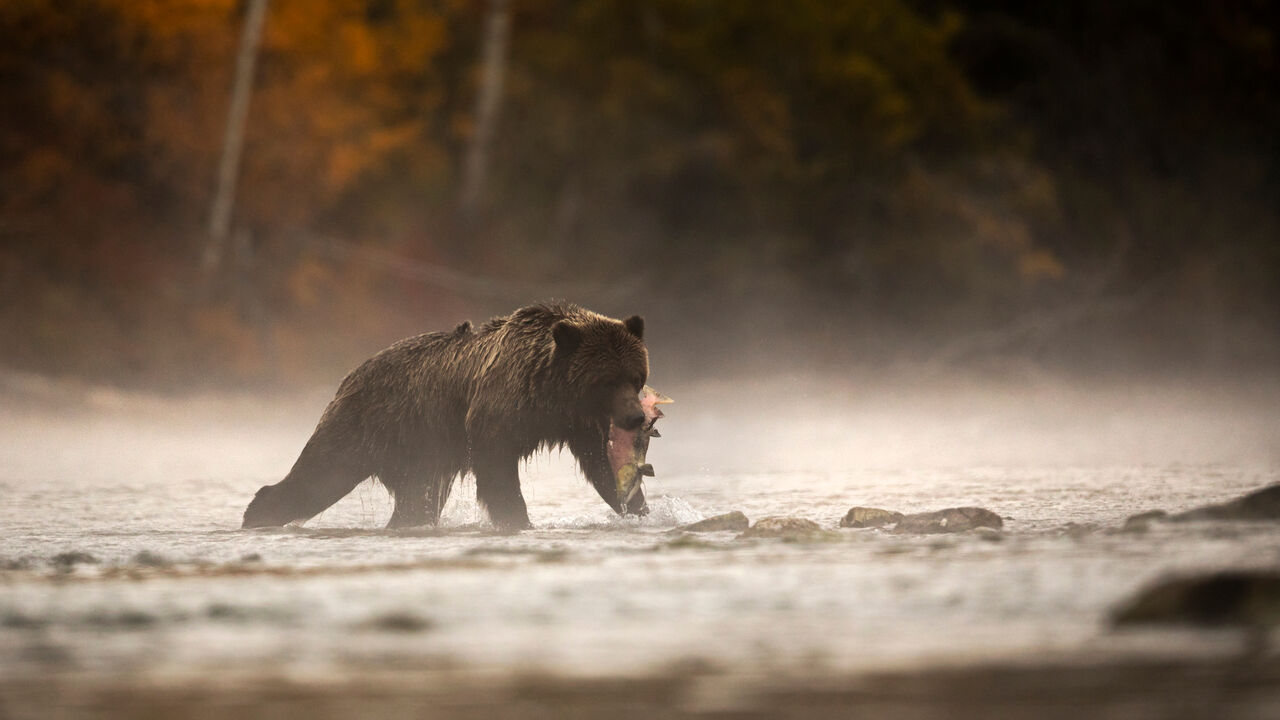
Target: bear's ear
x,y
635,325
568,336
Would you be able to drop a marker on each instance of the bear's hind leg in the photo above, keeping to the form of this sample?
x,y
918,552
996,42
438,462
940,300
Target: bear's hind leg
x,y
410,510
438,490
498,490
409,494
419,495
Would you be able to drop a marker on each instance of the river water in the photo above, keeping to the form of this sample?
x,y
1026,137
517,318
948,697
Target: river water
x,y
151,489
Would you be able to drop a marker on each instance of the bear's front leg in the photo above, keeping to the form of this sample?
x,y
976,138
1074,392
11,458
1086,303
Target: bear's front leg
x,y
498,490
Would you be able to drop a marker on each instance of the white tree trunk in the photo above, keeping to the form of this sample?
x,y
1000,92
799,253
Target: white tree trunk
x,y
233,139
488,105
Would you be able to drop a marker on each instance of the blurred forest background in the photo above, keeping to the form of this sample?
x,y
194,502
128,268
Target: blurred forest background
x,y
796,186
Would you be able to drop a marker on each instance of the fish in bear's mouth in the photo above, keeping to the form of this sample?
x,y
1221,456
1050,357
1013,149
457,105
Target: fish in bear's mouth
x,y
627,448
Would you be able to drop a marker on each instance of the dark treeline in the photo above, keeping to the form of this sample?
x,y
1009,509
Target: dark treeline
x,y
1092,184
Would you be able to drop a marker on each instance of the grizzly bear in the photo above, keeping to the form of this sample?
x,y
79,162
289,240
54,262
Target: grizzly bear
x,y
432,407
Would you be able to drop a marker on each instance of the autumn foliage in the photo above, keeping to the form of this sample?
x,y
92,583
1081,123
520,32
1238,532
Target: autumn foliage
x,y
869,175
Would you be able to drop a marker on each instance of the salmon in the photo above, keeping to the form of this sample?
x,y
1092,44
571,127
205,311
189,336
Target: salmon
x,y
627,448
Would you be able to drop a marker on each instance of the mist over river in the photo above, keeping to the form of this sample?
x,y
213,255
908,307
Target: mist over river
x,y
149,489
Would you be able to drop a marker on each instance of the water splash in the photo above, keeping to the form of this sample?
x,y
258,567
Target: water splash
x,y
668,510
664,512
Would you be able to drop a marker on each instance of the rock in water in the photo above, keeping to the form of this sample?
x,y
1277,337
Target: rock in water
x,y
782,527
1247,598
867,517
735,521
949,521
1261,504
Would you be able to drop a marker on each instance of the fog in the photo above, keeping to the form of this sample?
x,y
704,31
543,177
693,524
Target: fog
x,y
750,424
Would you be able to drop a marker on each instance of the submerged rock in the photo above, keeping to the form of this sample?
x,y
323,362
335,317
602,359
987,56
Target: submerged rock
x,y
399,622
1249,598
223,611
735,521
687,541
127,619
867,517
68,560
1075,530
782,527
949,521
226,612
19,621
146,558
988,534
1140,522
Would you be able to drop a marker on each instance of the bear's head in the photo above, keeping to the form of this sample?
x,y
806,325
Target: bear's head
x,y
607,365
267,510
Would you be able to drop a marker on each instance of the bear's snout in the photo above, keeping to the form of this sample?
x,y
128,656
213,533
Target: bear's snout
x,y
625,412
631,421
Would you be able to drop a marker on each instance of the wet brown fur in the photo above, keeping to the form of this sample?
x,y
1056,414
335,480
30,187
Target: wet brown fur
x,y
432,407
